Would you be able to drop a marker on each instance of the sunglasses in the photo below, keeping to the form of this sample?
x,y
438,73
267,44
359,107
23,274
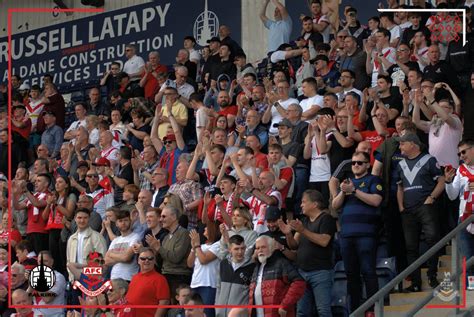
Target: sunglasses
x,y
168,142
463,152
92,175
144,258
99,261
358,163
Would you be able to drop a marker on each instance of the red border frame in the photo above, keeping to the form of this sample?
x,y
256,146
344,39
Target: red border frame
x,y
9,28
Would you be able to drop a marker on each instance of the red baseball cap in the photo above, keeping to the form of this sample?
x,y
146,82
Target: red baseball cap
x,y
102,162
170,137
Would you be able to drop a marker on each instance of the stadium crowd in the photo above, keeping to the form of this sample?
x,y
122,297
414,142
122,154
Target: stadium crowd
x,y
223,182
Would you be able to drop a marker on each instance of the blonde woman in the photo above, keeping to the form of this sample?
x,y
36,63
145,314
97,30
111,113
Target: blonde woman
x,y
241,225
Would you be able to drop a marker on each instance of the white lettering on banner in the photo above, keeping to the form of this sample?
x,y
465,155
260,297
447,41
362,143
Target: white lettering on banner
x,y
97,30
76,65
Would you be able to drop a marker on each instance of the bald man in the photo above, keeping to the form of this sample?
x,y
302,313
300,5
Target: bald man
x,y
20,297
107,150
262,196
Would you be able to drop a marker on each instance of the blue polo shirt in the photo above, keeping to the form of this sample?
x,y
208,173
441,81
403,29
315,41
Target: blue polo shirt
x,y
359,219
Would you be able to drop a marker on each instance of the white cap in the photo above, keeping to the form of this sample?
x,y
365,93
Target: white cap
x,y
24,87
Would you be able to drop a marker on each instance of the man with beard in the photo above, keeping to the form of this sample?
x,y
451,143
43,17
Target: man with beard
x,y
225,109
275,281
120,255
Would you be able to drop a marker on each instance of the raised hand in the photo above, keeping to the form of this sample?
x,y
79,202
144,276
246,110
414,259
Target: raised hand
x,y
195,239
284,228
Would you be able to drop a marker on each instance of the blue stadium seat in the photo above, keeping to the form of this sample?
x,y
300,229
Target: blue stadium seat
x,y
339,271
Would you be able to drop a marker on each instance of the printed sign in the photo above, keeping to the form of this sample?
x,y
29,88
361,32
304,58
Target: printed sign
x,y
80,51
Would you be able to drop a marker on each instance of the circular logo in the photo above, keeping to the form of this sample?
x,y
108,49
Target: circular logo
x,y
42,278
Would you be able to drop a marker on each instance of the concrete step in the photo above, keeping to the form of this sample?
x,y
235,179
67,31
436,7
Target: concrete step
x,y
444,261
401,303
401,310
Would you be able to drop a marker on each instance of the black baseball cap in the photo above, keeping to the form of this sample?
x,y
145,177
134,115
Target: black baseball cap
x,y
214,39
273,213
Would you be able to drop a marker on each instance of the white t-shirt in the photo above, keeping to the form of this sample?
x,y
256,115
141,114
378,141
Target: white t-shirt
x,y
185,90
258,291
121,244
390,55
205,275
202,119
80,247
194,55
133,65
309,103
59,288
76,124
276,117
341,95
320,164
395,32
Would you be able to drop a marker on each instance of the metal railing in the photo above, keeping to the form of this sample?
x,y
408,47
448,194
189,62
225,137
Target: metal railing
x,y
377,300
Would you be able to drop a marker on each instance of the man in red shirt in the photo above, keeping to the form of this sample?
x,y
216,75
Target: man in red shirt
x,y
148,287
36,202
153,70
380,119
227,110
20,122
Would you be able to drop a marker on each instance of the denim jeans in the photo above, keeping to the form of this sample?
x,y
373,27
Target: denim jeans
x,y
359,256
301,184
317,294
208,295
425,219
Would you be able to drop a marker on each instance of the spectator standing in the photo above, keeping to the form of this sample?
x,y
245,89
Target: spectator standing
x,y
148,287
275,281
421,183
313,243
359,198
279,29
120,255
235,273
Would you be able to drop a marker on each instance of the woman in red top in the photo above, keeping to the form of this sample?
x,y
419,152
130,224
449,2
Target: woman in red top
x,y
60,204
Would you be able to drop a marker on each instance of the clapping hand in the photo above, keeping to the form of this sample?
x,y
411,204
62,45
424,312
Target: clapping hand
x,y
195,239
297,225
153,242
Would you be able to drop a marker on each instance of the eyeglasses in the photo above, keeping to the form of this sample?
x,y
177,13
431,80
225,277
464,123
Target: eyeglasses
x,y
144,258
359,163
99,261
463,152
168,142
92,175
